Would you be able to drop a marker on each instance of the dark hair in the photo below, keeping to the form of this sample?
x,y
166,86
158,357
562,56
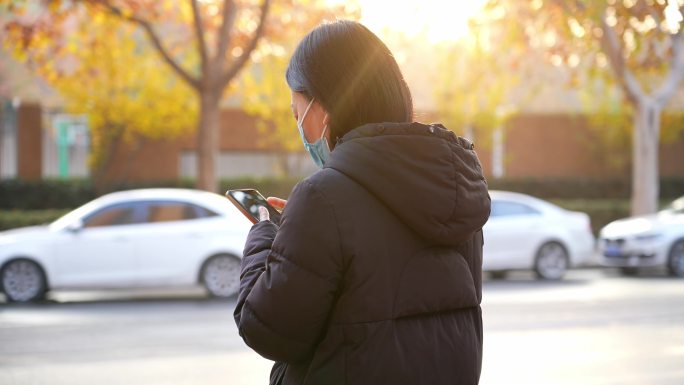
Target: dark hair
x,y
353,74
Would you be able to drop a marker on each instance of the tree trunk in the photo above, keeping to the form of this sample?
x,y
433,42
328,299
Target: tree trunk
x,y
101,169
498,150
645,176
208,141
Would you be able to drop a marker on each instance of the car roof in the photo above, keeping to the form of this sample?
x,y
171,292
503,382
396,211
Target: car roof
x,y
523,198
205,198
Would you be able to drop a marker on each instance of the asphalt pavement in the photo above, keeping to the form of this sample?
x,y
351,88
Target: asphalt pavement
x,y
594,327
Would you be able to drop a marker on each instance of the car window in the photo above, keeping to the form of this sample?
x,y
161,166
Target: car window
x,y
169,211
115,215
506,208
205,212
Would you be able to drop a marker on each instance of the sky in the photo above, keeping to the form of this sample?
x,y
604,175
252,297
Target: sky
x,y
437,20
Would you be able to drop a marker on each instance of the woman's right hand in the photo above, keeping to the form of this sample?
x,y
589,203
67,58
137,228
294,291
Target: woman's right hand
x,y
278,203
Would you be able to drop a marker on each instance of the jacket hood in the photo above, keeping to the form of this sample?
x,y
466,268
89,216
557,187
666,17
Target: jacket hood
x,y
427,176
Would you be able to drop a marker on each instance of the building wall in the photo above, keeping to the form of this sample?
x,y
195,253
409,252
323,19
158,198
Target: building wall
x,y
243,148
30,142
535,146
556,145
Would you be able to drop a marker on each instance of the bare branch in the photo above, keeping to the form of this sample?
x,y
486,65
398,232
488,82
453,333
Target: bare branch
x,y
199,31
613,49
155,41
224,36
675,73
239,62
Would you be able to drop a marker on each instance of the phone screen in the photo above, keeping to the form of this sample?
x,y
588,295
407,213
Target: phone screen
x,y
248,201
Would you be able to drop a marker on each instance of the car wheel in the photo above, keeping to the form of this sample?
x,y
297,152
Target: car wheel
x,y
221,275
551,262
675,261
23,281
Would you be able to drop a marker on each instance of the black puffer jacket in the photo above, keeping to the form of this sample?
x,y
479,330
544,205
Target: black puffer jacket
x,y
374,276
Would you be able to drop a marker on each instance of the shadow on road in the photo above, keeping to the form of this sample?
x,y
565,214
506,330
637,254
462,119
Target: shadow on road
x,y
143,297
526,279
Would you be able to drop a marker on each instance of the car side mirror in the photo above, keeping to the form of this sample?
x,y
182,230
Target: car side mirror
x,y
75,226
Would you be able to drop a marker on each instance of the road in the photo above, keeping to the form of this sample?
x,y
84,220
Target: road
x,y
595,327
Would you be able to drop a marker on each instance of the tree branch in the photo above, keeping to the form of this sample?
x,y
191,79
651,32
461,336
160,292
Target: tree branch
x,y
194,83
225,32
613,49
199,31
675,73
239,62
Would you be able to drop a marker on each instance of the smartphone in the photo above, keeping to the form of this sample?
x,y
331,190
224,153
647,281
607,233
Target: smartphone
x,y
248,202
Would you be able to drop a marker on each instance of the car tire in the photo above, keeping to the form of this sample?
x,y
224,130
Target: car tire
x,y
220,275
675,260
23,280
551,261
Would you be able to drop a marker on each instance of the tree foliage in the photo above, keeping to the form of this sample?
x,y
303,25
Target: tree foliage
x,y
105,68
263,91
636,46
221,35
483,81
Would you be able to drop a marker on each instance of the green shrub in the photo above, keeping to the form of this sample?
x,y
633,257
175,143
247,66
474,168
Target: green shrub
x,y
583,188
10,219
16,194
601,212
44,194
56,194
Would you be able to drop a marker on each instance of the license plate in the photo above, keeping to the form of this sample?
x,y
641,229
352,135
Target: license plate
x,y
612,251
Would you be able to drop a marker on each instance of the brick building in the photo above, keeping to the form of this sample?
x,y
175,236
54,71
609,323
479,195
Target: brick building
x,y
534,146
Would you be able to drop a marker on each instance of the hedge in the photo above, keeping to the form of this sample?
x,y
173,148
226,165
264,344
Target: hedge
x,y
601,212
10,219
583,188
59,194
45,194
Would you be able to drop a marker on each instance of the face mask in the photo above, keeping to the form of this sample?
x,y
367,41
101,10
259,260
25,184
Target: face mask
x,y
319,150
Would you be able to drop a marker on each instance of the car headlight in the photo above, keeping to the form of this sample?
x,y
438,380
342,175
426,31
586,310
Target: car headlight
x,y
648,237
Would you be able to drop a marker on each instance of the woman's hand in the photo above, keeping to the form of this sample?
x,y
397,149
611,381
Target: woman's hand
x,y
277,203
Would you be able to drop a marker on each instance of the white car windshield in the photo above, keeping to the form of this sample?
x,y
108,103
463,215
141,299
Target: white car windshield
x,y
72,216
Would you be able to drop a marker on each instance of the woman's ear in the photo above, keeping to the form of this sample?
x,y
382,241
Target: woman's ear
x,y
326,119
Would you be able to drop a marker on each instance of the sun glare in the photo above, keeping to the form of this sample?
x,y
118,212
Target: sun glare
x,y
436,20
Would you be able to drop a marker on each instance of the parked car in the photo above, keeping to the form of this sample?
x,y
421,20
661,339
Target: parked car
x,y
137,238
646,241
526,233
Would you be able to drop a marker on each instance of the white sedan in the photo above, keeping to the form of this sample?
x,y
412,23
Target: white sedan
x,y
137,238
526,233
646,241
